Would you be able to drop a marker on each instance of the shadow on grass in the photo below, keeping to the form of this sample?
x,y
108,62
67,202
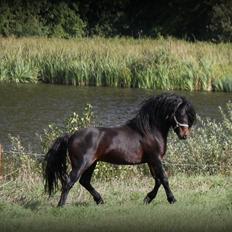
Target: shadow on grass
x,y
32,205
83,203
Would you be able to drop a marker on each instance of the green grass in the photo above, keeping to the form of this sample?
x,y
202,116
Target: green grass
x,y
224,84
204,204
120,62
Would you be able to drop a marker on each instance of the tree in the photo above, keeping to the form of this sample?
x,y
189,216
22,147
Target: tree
x,y
220,26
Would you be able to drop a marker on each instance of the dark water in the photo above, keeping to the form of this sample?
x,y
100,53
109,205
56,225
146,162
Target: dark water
x,y
26,109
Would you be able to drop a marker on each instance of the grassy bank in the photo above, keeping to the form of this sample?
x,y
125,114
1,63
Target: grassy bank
x,y
145,63
204,204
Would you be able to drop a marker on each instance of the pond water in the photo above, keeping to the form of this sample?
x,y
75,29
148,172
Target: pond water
x,y
26,109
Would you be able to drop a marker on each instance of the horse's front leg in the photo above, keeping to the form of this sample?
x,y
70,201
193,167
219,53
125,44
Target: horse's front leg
x,y
151,195
162,176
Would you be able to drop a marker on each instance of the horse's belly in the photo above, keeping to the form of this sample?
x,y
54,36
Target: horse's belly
x,y
122,157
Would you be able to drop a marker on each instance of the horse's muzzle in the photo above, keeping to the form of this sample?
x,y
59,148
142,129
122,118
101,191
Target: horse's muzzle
x,y
183,137
183,133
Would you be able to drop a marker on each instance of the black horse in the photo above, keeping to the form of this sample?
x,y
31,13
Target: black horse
x,y
142,139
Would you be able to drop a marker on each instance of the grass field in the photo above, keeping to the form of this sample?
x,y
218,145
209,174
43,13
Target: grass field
x,y
204,203
119,62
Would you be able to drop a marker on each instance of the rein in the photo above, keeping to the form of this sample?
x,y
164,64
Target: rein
x,y
178,124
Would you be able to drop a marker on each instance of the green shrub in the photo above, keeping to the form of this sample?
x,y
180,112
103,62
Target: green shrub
x,y
19,163
71,124
64,22
6,19
221,22
40,19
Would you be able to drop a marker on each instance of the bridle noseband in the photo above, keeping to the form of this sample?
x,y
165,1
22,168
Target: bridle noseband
x,y
178,124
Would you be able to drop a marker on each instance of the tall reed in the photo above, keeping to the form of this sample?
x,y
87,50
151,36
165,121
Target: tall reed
x,y
119,62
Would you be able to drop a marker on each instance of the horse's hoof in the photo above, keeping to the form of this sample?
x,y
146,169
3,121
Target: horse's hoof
x,y
60,206
147,200
99,202
171,200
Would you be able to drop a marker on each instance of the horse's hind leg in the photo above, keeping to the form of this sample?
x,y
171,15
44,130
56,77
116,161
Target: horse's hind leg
x,y
71,180
151,195
74,176
85,182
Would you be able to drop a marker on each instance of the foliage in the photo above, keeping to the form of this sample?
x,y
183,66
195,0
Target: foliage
x,y
22,72
192,19
223,84
19,163
64,22
157,64
40,18
221,21
71,124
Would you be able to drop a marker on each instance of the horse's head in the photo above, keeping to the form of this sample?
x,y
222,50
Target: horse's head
x,y
162,112
183,119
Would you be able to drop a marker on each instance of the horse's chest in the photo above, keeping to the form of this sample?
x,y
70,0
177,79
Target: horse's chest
x,y
154,147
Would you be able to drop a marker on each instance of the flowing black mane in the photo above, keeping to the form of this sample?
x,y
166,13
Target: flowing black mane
x,y
158,111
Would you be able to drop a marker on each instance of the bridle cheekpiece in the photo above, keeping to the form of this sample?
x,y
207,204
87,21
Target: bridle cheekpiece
x,y
178,124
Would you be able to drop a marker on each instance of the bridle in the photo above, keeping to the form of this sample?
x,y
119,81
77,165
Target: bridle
x,y
178,124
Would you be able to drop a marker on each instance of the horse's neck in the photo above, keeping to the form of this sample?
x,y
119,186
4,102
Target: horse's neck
x,y
161,137
161,130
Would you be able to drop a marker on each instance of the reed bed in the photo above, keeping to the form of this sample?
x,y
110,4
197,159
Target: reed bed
x,y
118,62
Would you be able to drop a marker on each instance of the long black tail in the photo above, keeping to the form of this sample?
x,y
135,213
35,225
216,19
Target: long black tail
x,y
55,165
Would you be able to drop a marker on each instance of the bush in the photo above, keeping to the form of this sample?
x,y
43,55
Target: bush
x,y
40,19
64,22
71,124
6,18
21,164
221,22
